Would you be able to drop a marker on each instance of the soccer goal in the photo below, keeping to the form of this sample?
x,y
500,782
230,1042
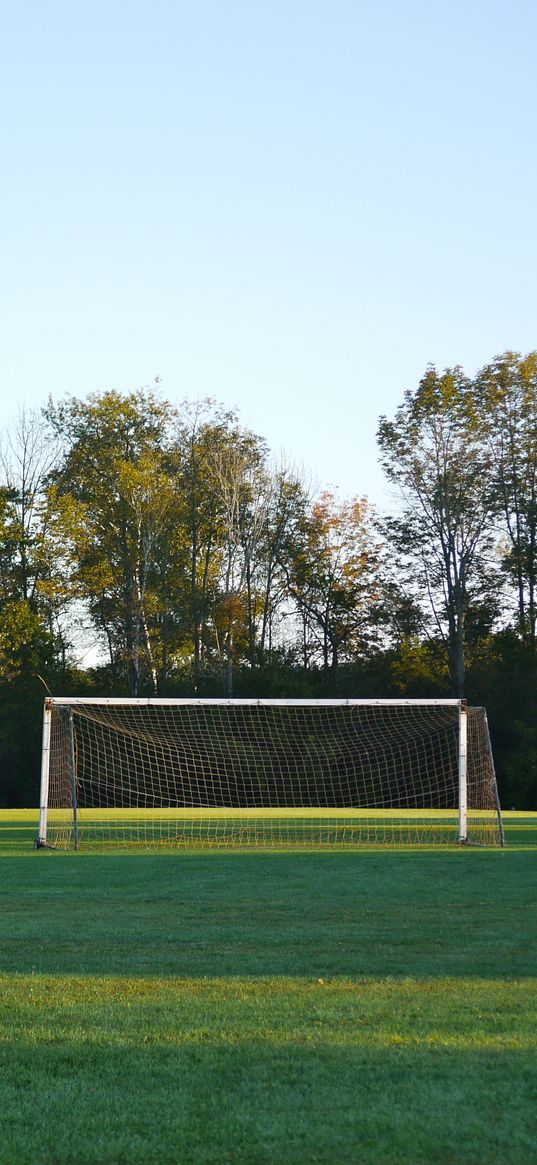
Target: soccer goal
x,y
266,773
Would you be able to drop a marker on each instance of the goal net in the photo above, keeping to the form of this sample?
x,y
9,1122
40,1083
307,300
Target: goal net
x,y
266,773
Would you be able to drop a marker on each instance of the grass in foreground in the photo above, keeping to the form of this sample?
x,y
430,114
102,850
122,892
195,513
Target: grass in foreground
x,y
108,1070
268,1009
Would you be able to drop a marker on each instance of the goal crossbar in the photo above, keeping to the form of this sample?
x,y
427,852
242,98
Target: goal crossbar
x,y
202,701
269,772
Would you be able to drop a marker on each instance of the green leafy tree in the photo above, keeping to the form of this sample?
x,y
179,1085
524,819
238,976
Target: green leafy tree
x,y
507,395
334,577
286,506
214,458
27,561
235,511
237,467
111,499
434,452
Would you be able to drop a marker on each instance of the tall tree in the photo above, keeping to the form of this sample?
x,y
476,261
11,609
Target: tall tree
x,y
286,507
235,510
334,577
31,587
507,394
209,439
434,452
27,455
111,498
238,469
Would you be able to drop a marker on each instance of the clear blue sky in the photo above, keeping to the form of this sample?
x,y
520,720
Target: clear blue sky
x,y
291,206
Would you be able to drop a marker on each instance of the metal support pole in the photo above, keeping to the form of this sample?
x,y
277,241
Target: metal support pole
x,y
74,801
495,793
463,773
45,773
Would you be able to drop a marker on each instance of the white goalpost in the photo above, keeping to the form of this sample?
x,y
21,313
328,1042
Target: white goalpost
x,y
266,773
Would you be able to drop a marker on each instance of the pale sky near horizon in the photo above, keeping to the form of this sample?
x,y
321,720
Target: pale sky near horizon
x,y
292,207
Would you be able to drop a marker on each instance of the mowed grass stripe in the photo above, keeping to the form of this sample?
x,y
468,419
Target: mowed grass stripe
x,y
27,818
492,1014
469,913
305,814
276,1072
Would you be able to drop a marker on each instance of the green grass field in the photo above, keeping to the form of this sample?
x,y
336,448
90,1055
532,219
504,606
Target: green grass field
x,y
268,1008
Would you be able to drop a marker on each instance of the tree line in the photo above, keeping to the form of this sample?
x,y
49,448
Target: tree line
x,y
170,540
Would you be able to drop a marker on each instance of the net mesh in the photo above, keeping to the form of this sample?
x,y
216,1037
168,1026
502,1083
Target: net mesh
x,y
261,773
